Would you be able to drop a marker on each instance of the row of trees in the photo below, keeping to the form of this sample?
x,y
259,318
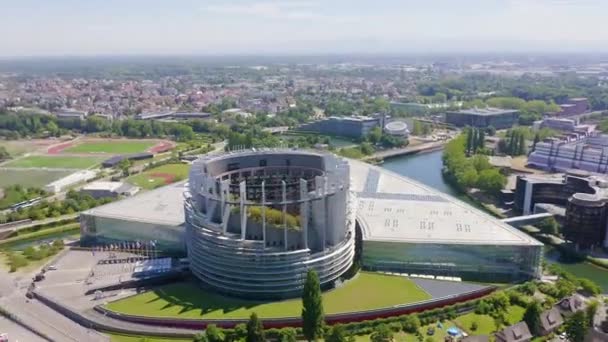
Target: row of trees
x,y
74,202
468,172
476,140
514,143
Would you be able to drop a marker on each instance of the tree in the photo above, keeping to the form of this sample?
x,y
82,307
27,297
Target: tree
x,y
214,334
4,153
338,334
590,312
532,316
576,326
411,324
589,286
474,326
536,140
548,226
521,145
381,333
491,181
124,166
312,307
375,134
491,130
255,329
287,335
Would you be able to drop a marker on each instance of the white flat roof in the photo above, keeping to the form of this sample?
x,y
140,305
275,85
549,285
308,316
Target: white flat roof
x,y
103,185
162,206
393,208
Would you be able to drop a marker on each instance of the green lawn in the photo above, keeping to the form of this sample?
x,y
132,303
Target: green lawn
x,y
159,176
187,300
112,147
30,178
133,338
57,162
439,335
515,314
485,323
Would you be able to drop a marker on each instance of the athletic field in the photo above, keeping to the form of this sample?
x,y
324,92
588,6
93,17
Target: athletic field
x,y
54,162
159,176
30,177
188,300
122,146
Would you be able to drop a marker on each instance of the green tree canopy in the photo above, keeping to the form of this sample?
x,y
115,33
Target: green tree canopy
x,y
255,329
576,326
313,317
532,316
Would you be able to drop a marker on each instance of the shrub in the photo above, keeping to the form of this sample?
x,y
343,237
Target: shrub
x,y
474,326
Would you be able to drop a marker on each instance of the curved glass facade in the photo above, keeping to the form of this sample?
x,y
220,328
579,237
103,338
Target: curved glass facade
x,y
257,221
491,263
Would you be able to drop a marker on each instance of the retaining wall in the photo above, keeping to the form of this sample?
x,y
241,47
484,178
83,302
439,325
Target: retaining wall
x,y
199,324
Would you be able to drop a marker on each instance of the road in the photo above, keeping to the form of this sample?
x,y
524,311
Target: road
x,y
38,316
17,333
45,221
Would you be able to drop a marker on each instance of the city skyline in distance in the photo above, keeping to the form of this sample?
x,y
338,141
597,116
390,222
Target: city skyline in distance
x,y
293,27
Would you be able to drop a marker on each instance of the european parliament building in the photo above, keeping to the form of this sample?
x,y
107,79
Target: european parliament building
x,y
253,222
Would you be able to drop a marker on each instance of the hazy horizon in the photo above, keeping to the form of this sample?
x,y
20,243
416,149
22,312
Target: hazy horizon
x,y
300,27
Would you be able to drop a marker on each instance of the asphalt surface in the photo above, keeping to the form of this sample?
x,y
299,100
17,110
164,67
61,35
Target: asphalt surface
x,y
17,333
440,288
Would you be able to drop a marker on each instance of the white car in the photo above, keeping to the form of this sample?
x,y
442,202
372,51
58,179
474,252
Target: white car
x,y
52,268
3,337
562,336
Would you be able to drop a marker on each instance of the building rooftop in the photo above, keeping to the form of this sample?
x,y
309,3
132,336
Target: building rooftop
x,y
486,111
164,205
396,208
390,208
102,185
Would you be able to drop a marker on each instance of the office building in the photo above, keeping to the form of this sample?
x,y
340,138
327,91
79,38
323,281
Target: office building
x,y
483,117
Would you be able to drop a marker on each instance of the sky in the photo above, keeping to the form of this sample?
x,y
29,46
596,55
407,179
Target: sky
x,y
286,27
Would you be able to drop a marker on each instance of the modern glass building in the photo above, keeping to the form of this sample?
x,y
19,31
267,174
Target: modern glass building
x,y
258,220
492,263
156,215
410,228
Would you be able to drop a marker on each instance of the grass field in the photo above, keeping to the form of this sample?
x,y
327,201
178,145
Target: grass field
x,y
485,323
112,147
18,147
159,176
187,300
133,338
58,162
439,335
30,178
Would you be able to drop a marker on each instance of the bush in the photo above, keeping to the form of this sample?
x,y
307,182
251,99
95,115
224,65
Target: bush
x,y
411,324
474,326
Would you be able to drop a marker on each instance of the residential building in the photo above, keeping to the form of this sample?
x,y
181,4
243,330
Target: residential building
x,y
550,320
515,333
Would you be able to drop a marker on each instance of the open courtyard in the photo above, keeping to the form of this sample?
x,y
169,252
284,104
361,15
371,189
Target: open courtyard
x,y
188,300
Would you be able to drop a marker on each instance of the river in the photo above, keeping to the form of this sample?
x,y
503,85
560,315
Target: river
x,y
426,169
